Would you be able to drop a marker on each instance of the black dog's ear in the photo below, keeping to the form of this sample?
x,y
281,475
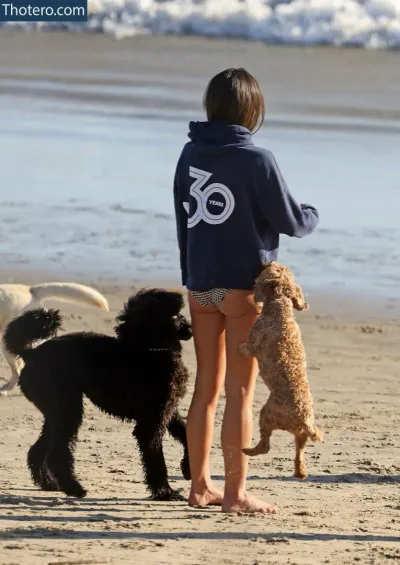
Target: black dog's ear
x,y
168,302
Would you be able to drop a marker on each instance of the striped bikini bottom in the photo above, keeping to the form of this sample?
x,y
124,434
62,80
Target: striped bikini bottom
x,y
212,297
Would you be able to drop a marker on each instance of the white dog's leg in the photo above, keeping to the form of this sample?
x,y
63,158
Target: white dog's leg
x,y
15,366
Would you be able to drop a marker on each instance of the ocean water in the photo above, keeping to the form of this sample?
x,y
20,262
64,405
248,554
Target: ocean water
x,y
87,189
373,24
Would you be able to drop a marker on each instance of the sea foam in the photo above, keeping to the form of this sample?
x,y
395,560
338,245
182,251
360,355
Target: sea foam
x,y
363,23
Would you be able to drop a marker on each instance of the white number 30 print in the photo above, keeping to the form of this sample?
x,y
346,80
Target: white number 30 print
x,y
202,196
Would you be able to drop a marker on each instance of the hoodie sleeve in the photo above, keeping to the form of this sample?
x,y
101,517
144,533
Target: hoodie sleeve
x,y
181,225
276,203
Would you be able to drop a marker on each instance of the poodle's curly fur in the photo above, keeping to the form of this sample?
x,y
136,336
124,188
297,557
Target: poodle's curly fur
x,y
275,341
138,375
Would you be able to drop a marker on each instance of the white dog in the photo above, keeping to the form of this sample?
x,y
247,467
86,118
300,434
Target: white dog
x,y
18,298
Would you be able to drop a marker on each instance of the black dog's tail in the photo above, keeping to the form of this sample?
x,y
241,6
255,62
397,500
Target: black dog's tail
x,y
32,326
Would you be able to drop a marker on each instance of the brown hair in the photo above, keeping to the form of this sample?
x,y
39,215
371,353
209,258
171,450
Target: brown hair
x,y
234,96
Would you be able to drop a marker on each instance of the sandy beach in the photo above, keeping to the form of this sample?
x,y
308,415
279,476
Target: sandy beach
x,y
347,511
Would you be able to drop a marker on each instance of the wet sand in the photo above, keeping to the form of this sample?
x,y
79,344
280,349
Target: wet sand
x,y
342,82
347,511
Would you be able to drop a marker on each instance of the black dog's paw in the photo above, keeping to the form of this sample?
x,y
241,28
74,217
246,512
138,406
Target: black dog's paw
x,y
49,487
77,492
168,495
185,468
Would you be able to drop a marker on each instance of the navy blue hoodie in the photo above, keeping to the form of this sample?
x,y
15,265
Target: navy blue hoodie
x,y
231,204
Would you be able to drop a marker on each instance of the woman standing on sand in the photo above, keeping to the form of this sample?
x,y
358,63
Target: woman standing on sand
x,y
231,204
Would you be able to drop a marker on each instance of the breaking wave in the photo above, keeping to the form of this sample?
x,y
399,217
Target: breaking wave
x,y
373,24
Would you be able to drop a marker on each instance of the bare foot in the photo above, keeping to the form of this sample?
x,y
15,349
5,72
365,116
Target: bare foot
x,y
249,504
208,497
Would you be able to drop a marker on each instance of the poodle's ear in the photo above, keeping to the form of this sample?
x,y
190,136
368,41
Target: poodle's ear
x,y
295,293
298,299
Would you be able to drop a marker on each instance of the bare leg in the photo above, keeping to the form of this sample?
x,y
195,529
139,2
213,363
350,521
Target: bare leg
x,y
209,340
299,464
241,312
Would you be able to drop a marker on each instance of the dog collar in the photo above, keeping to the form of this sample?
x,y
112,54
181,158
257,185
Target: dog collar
x,y
161,349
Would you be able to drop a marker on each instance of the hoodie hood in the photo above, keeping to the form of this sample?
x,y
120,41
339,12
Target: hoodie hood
x,y
212,136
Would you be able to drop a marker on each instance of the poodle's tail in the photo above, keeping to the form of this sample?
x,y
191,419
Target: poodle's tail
x,y
314,433
71,292
22,332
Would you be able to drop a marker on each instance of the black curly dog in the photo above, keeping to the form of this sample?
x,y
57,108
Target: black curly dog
x,y
136,376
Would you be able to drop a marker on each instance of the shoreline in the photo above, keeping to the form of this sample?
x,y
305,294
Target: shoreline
x,y
287,73
327,303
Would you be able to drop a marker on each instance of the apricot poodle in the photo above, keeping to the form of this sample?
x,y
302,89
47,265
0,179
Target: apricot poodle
x,y
275,341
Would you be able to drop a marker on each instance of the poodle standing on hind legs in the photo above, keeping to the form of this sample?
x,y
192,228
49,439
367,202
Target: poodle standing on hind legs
x,y
275,340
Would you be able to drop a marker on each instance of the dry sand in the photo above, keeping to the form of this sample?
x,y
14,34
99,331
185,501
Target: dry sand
x,y
347,511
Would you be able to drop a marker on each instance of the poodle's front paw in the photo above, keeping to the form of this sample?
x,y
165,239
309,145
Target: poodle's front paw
x,y
168,495
185,468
